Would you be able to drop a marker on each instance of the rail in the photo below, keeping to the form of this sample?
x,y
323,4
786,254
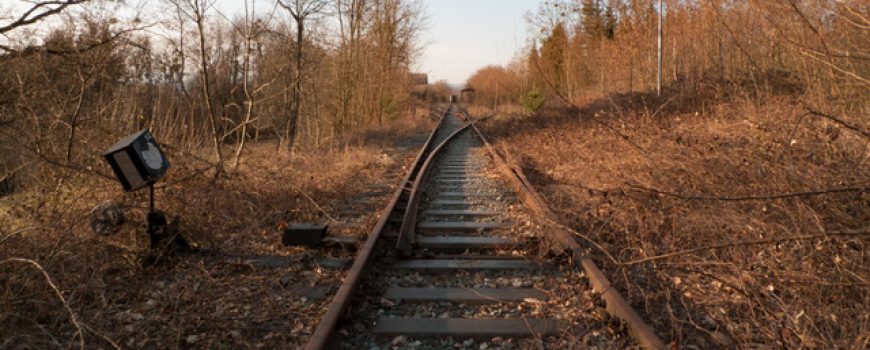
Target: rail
x,y
322,334
615,304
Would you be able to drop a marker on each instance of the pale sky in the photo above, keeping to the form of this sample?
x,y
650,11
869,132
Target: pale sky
x,y
465,35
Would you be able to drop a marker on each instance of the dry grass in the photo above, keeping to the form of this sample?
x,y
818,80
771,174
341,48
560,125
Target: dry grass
x,y
245,290
645,180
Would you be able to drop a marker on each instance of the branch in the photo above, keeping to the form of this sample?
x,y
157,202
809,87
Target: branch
x,y
31,16
839,121
859,189
16,232
860,232
57,292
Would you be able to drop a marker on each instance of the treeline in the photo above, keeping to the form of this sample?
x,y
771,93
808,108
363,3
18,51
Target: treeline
x,y
586,49
303,72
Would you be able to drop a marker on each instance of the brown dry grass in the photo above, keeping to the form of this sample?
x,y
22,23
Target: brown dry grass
x,y
227,297
624,179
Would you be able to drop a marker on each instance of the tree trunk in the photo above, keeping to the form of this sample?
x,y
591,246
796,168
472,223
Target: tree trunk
x,y
249,99
206,91
297,86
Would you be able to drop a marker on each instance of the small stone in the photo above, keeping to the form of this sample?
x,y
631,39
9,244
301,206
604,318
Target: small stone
x,y
191,339
468,343
398,340
415,344
236,334
483,346
151,303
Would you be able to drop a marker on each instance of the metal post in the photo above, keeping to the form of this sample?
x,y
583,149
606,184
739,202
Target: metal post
x,y
659,79
151,202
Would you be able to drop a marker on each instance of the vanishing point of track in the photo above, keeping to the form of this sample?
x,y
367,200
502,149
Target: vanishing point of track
x,y
456,257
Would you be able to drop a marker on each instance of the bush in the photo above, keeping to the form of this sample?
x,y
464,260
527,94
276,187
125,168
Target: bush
x,y
533,101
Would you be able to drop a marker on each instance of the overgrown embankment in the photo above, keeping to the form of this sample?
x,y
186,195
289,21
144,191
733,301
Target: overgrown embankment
x,y
728,222
245,290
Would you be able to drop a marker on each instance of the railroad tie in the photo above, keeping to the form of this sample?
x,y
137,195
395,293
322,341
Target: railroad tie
x,y
463,328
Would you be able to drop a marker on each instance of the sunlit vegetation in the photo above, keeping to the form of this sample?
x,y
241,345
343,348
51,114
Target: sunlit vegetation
x,y
732,210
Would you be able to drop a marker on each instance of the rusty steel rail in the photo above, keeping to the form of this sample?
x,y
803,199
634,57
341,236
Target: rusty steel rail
x,y
615,304
409,223
323,334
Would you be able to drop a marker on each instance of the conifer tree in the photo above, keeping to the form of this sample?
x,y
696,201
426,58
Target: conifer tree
x,y
553,59
609,22
593,22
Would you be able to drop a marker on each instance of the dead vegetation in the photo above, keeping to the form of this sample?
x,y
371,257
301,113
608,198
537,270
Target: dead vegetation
x,y
264,126
733,209
728,222
242,289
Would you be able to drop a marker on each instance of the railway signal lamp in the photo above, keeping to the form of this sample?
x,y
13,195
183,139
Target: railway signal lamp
x,y
138,162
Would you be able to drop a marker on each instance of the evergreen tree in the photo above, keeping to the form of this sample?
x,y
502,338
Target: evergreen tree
x,y
553,58
593,22
533,66
609,22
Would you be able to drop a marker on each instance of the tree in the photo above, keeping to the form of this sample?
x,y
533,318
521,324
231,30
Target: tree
x,y
495,85
196,10
552,61
300,10
610,22
533,68
250,30
440,92
593,22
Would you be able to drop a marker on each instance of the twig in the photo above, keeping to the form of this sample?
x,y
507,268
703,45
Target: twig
x,y
859,189
537,336
57,292
38,326
585,238
110,341
192,175
13,233
319,208
839,121
747,243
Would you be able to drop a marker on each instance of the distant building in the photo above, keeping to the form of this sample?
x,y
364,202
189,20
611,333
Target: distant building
x,y
419,79
419,85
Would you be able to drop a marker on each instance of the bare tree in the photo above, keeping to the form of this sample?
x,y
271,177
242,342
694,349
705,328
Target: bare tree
x,y
251,30
196,11
300,10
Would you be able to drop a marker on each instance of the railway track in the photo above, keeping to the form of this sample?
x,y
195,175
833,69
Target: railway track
x,y
458,261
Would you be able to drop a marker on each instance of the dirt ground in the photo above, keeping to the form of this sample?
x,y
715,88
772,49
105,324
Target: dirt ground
x,y
730,223
244,289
